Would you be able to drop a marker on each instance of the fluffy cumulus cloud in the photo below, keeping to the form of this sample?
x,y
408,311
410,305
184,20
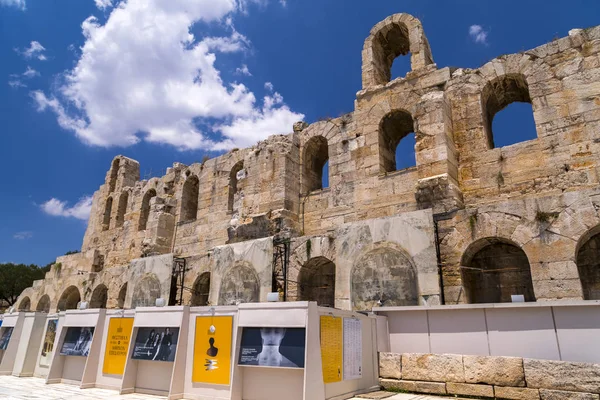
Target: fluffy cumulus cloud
x,y
13,3
58,208
478,34
243,70
103,4
35,50
143,75
23,235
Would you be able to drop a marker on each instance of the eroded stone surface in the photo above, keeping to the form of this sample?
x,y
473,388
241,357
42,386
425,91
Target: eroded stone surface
x,y
546,394
562,375
502,371
468,389
390,365
511,393
433,367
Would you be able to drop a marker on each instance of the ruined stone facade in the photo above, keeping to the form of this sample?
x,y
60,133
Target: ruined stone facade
x,y
471,222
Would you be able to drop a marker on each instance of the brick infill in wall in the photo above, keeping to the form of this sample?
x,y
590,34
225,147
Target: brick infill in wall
x,y
510,378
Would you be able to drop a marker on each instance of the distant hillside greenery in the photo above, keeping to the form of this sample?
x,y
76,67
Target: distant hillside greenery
x,y
14,278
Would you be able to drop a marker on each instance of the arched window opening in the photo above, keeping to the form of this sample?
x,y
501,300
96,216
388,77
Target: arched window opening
x,y
316,155
44,304
239,285
146,292
317,282
25,304
493,269
201,290
234,192
396,141
69,299
389,44
107,213
384,276
145,211
515,124
122,294
99,297
122,209
114,174
325,175
189,199
588,265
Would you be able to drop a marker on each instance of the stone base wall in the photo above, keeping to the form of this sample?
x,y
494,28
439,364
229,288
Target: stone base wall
x,y
489,377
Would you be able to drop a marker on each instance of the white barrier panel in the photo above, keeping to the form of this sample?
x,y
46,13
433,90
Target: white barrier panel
x,y
48,344
29,343
10,332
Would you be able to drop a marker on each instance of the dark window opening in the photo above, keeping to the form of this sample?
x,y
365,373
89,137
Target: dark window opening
x,y
107,213
396,142
588,265
234,197
189,199
145,212
389,46
114,174
122,209
316,155
317,282
201,290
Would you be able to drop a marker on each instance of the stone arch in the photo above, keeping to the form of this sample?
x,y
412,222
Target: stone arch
x,y
201,290
189,199
394,127
317,281
316,154
114,174
240,284
396,35
384,276
121,209
145,210
498,94
493,269
122,296
146,291
69,299
24,304
587,258
99,297
43,304
233,195
107,214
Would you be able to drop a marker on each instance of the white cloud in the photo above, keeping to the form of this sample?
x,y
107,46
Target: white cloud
x,y
13,3
15,84
144,76
81,210
269,86
243,70
103,4
283,2
23,235
30,72
478,34
35,50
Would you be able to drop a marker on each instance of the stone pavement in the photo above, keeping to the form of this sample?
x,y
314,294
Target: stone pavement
x,y
13,388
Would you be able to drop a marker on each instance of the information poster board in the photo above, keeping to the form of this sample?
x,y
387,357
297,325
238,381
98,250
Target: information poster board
x,y
352,348
117,345
331,348
48,346
273,347
5,337
156,344
212,350
78,341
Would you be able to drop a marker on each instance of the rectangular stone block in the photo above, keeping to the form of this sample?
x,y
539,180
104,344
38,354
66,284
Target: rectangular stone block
x,y
430,387
393,384
468,389
433,367
546,394
390,365
512,393
562,375
502,371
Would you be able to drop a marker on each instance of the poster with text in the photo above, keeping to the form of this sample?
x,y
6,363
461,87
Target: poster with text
x,y
273,347
48,345
352,348
212,350
78,341
331,348
117,345
5,335
156,344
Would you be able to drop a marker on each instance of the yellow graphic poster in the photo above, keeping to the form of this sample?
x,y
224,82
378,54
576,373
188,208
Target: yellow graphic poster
x,y
117,345
212,350
331,348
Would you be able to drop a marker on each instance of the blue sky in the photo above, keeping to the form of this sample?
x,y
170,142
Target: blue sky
x,y
75,91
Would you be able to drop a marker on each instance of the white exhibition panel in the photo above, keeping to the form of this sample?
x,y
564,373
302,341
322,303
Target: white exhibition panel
x,y
578,330
8,356
29,343
285,315
41,370
409,331
458,331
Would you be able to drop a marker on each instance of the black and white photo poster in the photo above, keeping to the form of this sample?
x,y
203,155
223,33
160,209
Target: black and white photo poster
x,y
273,347
5,337
78,341
156,344
352,349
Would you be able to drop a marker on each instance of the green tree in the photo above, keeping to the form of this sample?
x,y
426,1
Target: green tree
x,y
14,278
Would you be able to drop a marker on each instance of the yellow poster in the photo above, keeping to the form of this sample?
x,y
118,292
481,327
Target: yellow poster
x,y
331,348
117,345
212,350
